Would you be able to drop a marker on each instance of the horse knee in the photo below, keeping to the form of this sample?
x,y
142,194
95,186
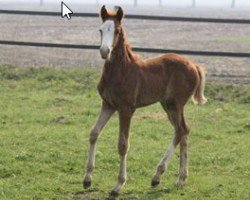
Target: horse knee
x,y
183,128
93,136
122,147
184,133
170,104
180,134
186,129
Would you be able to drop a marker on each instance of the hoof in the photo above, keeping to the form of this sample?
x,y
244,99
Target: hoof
x,y
113,193
155,183
86,184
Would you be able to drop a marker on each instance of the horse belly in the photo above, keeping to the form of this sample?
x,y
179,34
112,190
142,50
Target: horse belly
x,y
151,94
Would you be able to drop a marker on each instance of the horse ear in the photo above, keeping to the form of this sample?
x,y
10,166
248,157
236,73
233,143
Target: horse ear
x,y
119,13
104,13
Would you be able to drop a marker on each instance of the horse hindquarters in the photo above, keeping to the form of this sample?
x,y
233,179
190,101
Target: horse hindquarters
x,y
179,89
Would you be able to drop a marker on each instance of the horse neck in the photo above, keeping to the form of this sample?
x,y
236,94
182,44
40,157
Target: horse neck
x,y
122,57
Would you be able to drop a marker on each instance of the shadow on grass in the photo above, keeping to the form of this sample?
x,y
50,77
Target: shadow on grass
x,y
90,194
156,193
96,194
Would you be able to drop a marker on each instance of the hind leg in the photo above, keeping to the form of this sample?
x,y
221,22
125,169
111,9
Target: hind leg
x,y
163,164
175,115
183,172
183,169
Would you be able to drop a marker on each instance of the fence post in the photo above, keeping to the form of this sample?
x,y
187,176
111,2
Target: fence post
x,y
194,4
135,3
233,4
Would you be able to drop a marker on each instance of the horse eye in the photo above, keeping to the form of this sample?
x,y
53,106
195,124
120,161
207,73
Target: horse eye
x,y
100,31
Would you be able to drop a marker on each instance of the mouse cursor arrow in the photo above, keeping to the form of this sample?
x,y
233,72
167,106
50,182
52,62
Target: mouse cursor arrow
x,y
65,11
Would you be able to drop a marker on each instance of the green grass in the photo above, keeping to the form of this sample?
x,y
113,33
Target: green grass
x,y
239,39
45,118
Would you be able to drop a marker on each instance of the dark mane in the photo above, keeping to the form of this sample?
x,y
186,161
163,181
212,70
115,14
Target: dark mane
x,y
133,56
123,45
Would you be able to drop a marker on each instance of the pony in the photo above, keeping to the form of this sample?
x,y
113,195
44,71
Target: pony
x,y
128,82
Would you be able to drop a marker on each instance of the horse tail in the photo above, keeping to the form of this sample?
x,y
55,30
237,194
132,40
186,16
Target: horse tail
x,y
198,95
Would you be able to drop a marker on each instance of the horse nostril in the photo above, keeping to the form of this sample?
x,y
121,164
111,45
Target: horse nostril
x,y
104,52
105,49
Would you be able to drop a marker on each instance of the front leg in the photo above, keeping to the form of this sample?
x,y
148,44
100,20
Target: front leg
x,y
123,144
106,113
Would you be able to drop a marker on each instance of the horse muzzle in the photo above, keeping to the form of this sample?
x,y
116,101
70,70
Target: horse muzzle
x,y
105,51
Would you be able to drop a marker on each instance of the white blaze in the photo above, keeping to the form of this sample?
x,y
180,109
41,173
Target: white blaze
x,y
108,30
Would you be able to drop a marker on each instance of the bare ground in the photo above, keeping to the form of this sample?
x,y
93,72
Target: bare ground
x,y
140,33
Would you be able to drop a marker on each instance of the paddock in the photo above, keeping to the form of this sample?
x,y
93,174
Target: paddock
x,y
47,113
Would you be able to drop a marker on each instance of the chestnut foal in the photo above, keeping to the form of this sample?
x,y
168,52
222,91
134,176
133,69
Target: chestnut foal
x,y
128,82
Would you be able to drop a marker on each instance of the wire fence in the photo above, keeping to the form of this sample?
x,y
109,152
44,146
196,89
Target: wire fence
x,y
138,49
138,17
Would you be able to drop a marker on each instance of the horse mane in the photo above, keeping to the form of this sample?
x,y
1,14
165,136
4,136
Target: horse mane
x,y
131,54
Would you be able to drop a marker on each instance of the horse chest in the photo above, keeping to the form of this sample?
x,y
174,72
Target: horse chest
x,y
116,93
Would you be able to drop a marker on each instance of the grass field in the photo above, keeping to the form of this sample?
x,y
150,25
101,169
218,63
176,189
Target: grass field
x,y
45,118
